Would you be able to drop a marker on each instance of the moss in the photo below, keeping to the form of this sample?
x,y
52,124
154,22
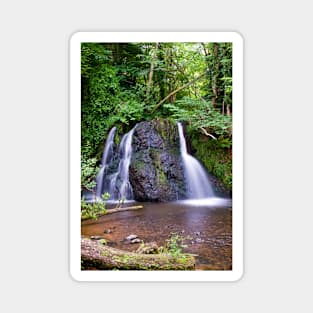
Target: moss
x,y
98,256
117,139
138,164
160,174
167,130
216,159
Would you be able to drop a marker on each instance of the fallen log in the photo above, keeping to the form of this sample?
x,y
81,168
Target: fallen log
x,y
115,210
129,208
94,255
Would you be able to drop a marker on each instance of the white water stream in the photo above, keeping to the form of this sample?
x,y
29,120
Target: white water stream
x,y
116,184
197,180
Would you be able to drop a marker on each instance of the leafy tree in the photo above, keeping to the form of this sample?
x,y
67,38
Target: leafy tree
x,y
125,83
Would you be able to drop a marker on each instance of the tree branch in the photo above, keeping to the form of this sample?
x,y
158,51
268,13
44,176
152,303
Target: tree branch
x,y
177,90
207,134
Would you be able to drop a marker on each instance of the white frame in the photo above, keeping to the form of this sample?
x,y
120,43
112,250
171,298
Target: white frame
x,y
75,145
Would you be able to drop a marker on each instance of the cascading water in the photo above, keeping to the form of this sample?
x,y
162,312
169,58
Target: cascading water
x,y
113,176
117,183
105,161
197,181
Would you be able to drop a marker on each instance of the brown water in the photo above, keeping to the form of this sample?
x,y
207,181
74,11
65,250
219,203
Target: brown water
x,y
209,230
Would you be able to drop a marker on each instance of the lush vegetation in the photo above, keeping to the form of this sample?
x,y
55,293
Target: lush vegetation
x,y
92,210
124,83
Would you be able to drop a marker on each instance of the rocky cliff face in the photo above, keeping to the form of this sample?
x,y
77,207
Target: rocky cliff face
x,y
155,171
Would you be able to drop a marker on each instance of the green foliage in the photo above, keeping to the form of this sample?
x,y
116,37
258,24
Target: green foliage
x,y
103,241
129,109
175,245
200,114
215,155
88,173
122,83
92,54
92,210
100,85
105,196
218,57
105,100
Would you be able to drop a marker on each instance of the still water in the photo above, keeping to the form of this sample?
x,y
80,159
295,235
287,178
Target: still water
x,y
206,225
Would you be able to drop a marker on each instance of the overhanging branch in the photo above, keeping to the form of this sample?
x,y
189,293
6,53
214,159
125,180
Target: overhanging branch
x,y
177,90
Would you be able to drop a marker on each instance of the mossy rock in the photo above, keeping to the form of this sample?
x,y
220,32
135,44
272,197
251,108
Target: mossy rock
x,y
156,172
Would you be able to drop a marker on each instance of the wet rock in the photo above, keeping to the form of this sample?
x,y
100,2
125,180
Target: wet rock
x,y
108,231
131,237
136,240
95,237
148,248
156,172
199,240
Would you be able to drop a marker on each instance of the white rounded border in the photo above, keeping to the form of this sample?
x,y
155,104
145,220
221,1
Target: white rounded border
x,y
75,143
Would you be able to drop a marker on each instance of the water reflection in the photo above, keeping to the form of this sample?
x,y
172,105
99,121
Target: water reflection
x,y
208,228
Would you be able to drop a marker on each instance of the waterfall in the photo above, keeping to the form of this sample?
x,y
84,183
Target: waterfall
x,y
197,181
105,161
117,183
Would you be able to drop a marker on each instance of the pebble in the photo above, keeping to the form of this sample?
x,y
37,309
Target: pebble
x,y
95,237
136,240
199,240
131,237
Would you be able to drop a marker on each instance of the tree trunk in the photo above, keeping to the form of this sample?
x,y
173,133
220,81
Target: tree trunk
x,y
97,256
214,81
228,110
153,57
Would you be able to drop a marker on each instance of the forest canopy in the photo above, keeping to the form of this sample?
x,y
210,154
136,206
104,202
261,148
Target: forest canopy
x,y
125,83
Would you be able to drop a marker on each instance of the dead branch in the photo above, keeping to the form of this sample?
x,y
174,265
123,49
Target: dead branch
x,y
207,134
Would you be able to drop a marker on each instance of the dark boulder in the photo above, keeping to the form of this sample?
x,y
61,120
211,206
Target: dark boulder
x,y
156,172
